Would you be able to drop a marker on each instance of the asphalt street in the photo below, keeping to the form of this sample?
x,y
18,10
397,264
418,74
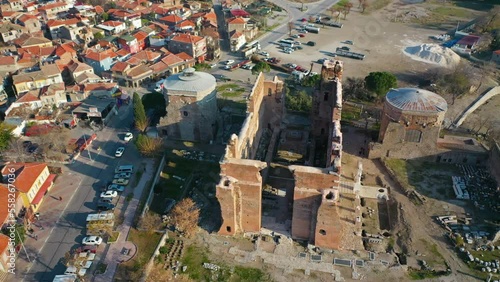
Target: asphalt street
x,y
79,187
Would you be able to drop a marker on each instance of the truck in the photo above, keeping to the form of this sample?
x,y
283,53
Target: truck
x,y
100,217
312,29
344,53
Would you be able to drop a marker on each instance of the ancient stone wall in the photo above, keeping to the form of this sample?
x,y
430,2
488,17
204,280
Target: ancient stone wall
x,y
494,162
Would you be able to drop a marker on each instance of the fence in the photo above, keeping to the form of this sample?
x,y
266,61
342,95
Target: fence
x,y
151,190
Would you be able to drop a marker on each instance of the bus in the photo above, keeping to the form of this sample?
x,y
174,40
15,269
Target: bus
x,y
286,41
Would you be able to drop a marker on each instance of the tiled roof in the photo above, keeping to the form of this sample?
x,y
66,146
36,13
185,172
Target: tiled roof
x,y
65,48
186,23
37,51
50,70
211,16
184,56
497,52
54,23
26,174
236,34
237,21
140,36
52,6
100,56
120,67
99,9
172,59
112,23
78,67
159,67
52,89
7,60
28,97
85,76
147,56
98,86
8,26
26,17
140,70
122,53
31,41
186,38
171,19
4,240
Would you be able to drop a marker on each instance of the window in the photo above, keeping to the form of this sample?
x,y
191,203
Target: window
x,y
185,113
325,97
322,232
228,228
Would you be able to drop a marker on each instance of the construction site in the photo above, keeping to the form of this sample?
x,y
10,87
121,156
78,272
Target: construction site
x,y
285,179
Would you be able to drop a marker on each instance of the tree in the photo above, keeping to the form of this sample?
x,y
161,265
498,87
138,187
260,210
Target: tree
x,y
104,17
360,3
337,13
261,67
380,82
364,5
311,80
141,121
347,9
298,102
354,88
148,146
150,221
453,82
185,216
459,241
98,36
6,136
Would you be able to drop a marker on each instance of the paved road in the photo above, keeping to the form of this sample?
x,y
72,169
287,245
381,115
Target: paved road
x,y
64,221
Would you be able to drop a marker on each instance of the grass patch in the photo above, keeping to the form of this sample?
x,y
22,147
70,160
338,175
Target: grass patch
x,y
146,243
248,274
271,28
424,274
341,3
226,87
378,4
434,257
486,255
350,113
194,259
101,268
113,236
452,12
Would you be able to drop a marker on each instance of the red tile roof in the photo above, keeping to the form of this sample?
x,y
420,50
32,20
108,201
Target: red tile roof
x,y
65,48
98,86
4,243
26,17
184,56
113,23
120,67
43,189
237,21
26,174
54,23
140,36
186,23
186,38
122,52
159,67
99,9
52,6
172,59
28,97
236,34
100,56
497,52
7,60
172,19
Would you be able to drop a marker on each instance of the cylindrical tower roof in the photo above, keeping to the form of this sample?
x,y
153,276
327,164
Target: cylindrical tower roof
x,y
416,100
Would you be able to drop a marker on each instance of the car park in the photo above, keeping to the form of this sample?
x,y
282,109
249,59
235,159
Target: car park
x,y
92,240
120,181
116,187
125,175
109,194
229,62
128,136
119,152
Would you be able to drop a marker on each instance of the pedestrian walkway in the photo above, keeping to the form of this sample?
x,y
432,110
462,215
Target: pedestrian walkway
x,y
115,254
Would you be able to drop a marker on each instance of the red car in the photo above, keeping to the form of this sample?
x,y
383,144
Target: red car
x,y
303,20
301,35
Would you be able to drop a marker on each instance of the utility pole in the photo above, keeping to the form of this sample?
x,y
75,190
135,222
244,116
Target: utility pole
x,y
22,244
87,147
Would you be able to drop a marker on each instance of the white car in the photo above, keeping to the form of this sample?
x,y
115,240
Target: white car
x,y
125,175
119,152
92,240
116,187
109,194
264,53
213,65
72,270
120,181
227,67
128,136
229,62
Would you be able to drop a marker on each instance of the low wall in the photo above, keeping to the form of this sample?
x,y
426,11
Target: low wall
x,y
151,190
479,102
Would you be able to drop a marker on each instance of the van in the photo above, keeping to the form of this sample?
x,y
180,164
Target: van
x,y
124,168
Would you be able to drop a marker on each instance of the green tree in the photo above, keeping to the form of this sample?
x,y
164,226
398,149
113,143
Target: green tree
x,y
380,82
261,67
98,35
298,102
311,80
5,136
104,16
459,241
140,119
148,146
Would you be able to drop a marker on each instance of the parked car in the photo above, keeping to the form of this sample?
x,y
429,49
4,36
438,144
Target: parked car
x,y
32,148
105,207
295,36
120,181
313,73
116,187
92,240
301,35
87,249
86,264
105,200
119,152
311,43
125,175
109,194
348,42
220,77
214,65
128,136
228,67
264,53
345,48
72,270
229,62
26,144
292,66
303,31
